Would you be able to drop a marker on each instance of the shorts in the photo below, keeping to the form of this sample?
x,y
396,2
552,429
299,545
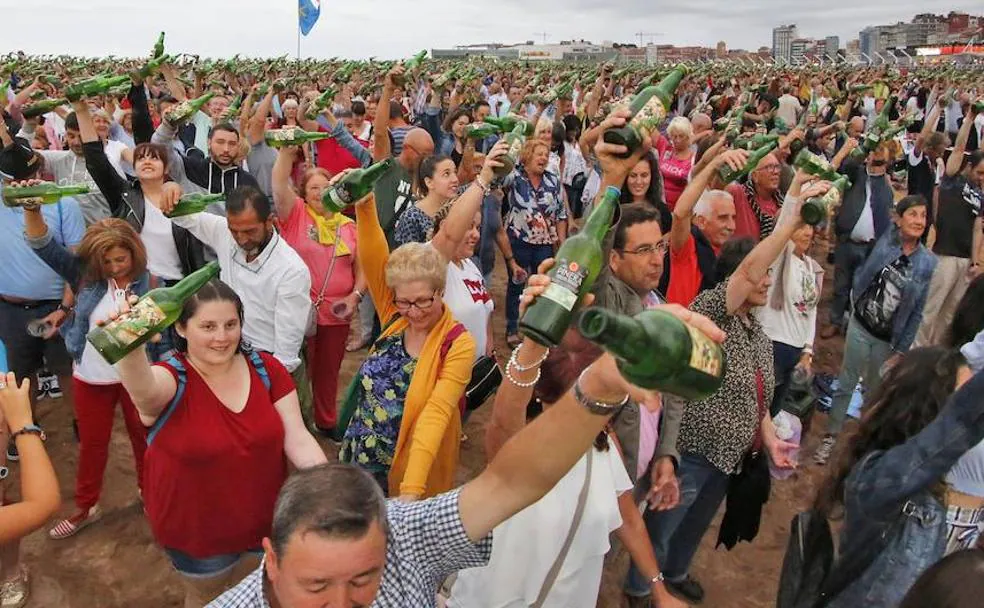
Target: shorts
x,y
206,567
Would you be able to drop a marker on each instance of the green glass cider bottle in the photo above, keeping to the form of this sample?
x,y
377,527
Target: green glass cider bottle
x,y
195,203
815,210
42,107
45,193
649,109
481,130
509,122
321,103
153,313
516,139
579,261
815,165
655,350
292,136
355,186
728,175
182,112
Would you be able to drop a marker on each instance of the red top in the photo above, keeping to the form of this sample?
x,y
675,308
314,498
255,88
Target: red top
x,y
212,475
685,275
746,222
332,157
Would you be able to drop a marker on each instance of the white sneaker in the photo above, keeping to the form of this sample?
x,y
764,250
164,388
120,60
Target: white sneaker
x,y
822,455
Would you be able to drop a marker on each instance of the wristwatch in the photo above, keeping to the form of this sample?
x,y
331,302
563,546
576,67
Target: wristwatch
x,y
65,309
31,429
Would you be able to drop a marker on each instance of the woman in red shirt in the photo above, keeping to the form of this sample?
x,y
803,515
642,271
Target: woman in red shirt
x,y
676,158
223,424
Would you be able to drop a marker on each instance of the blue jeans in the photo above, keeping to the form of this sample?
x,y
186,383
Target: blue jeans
x,y
864,356
676,534
529,257
206,567
784,358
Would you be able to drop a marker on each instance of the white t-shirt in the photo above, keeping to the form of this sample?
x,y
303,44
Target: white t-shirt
x,y
114,152
162,255
470,302
794,324
525,546
788,107
864,230
92,368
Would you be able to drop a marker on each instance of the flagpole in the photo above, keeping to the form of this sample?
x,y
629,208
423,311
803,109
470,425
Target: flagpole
x,y
297,64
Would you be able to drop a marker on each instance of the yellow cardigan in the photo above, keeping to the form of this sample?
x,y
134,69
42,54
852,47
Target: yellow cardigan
x,y
426,455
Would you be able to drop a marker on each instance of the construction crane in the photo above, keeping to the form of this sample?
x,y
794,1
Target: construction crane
x,y
650,35
542,35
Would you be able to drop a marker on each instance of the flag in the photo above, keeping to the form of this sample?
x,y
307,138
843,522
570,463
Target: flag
x,y
308,12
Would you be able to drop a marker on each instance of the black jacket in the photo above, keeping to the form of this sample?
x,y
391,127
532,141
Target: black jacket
x,y
854,199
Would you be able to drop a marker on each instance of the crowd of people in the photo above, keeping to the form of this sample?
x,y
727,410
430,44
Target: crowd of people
x,y
236,415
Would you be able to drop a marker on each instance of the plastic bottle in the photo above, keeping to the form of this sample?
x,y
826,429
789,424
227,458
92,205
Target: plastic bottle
x,y
788,428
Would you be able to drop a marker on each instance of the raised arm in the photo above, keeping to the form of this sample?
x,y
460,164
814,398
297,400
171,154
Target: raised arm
x,y
40,496
381,148
173,83
955,162
756,264
373,253
151,387
930,125
257,123
284,197
143,126
107,179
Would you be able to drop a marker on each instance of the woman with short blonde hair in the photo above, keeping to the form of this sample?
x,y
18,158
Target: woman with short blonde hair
x,y
676,158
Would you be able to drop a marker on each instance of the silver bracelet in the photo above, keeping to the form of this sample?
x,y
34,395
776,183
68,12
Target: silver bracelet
x,y
486,188
599,408
659,578
516,382
514,359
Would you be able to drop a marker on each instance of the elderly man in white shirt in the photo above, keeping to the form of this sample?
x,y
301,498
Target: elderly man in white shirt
x,y
269,276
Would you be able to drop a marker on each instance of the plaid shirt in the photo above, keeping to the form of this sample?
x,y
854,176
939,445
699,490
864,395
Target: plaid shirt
x,y
426,543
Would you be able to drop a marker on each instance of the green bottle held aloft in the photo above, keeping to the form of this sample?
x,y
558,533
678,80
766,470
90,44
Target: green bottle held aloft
x,y
728,175
508,123
815,210
157,310
578,263
882,122
292,136
658,351
151,67
45,193
815,165
558,92
409,66
648,109
320,103
42,107
481,130
978,106
94,86
355,186
755,141
442,81
195,203
516,139
234,107
183,112
158,50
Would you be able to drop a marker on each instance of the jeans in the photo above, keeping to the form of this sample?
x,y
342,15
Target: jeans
x,y
529,257
785,358
864,356
848,258
25,353
676,534
206,566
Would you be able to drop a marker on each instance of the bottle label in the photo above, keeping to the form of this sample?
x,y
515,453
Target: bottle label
x,y
565,284
515,147
704,354
650,116
141,319
281,134
340,196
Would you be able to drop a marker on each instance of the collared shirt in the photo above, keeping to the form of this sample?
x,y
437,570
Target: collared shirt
x,y
23,274
534,212
864,229
426,543
275,287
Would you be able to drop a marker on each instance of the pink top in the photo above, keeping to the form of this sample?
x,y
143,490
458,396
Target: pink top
x,y
675,172
300,231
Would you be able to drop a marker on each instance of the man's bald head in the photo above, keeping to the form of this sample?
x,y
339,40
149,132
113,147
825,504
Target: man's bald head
x,y
417,144
856,126
701,122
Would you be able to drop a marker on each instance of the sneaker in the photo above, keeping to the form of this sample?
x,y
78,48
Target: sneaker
x,y
822,455
54,387
41,392
15,592
12,455
689,589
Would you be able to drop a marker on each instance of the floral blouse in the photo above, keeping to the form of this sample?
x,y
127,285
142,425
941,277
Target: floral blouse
x,y
370,440
534,212
413,227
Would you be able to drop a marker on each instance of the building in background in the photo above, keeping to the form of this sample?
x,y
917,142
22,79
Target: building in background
x,y
782,40
852,51
831,45
722,50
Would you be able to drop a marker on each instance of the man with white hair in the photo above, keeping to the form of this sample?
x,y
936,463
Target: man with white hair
x,y
703,221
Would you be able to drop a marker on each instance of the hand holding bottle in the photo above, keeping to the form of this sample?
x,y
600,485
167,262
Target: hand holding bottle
x,y
615,169
493,160
170,195
538,283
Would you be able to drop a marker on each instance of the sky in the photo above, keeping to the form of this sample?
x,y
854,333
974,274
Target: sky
x,y
399,28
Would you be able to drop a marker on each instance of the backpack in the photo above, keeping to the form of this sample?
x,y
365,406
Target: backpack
x,y
179,367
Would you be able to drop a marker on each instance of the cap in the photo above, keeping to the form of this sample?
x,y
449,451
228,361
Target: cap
x,y
18,161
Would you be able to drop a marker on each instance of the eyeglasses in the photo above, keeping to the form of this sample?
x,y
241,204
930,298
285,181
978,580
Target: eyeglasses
x,y
769,168
657,249
422,304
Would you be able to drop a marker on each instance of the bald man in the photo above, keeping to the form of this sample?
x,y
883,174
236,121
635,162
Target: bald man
x,y
702,125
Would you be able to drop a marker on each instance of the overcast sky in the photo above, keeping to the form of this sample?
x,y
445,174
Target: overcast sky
x,y
397,28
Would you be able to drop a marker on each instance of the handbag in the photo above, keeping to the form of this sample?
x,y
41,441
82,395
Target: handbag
x,y
486,377
554,572
312,322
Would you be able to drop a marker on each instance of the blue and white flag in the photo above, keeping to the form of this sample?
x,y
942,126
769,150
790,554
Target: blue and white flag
x,y
308,12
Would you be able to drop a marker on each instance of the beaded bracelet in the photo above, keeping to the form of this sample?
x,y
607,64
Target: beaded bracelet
x,y
514,359
516,382
598,408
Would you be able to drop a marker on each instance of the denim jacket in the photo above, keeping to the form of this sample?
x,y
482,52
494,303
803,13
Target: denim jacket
x,y
87,293
889,495
443,141
887,249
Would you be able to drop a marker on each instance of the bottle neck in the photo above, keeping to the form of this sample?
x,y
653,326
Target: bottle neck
x,y
600,219
616,333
